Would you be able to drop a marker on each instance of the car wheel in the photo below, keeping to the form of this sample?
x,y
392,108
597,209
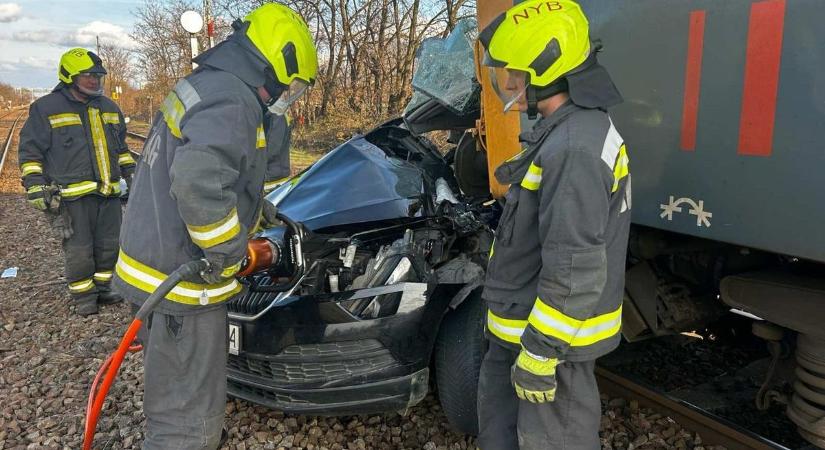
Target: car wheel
x,y
459,350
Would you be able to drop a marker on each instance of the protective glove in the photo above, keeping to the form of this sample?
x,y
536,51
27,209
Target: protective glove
x,y
51,195
269,215
216,272
62,225
128,179
36,197
534,377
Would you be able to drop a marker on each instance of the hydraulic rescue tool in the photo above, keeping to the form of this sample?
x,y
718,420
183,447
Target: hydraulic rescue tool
x,y
262,256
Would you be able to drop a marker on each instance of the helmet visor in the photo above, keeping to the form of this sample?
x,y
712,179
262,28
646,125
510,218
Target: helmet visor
x,y
510,85
292,93
89,83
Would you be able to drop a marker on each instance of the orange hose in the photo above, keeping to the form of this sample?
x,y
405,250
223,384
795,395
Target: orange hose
x,y
110,367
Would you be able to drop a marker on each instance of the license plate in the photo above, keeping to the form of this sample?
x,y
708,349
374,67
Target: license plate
x,y
234,339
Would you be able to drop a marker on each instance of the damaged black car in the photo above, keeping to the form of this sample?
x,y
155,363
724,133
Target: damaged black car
x,y
369,295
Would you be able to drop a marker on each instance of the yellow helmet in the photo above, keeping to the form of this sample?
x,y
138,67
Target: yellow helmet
x,y
77,61
283,38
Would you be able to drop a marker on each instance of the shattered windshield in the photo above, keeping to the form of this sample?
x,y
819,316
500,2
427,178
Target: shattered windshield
x,y
445,71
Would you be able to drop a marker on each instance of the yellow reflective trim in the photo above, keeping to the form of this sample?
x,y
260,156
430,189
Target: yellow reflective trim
x,y
78,189
125,159
64,120
532,179
260,142
492,249
111,118
81,286
577,333
206,236
103,276
101,151
34,189
508,330
231,270
31,168
621,169
172,110
148,279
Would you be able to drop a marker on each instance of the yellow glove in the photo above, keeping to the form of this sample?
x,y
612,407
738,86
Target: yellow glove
x,y
534,377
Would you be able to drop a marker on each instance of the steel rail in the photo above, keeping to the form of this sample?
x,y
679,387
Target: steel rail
x,y
7,143
713,429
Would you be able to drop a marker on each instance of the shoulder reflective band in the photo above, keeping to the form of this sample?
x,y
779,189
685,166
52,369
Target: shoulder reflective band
x,y
103,276
621,169
148,279
206,236
125,159
101,151
78,189
30,168
78,287
64,120
111,118
578,333
260,142
532,179
614,154
182,98
508,330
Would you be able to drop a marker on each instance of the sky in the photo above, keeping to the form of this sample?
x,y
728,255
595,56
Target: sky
x,y
34,33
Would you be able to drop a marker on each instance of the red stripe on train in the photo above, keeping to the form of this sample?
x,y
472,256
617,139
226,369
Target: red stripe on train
x,y
693,76
763,55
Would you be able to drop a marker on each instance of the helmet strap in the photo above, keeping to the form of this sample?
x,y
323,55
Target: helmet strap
x,y
532,103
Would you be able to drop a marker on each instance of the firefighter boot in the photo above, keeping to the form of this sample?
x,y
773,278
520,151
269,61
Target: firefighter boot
x,y
86,306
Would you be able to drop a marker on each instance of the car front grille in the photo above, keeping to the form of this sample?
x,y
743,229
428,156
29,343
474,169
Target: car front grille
x,y
262,395
251,303
327,362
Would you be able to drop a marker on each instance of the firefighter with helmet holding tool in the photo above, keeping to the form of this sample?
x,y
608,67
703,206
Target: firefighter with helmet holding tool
x,y
198,194
72,155
555,278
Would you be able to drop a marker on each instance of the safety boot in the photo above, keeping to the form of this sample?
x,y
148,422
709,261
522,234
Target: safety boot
x,y
108,298
86,307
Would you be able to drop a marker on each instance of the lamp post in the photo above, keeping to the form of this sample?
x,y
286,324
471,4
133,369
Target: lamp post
x,y
192,22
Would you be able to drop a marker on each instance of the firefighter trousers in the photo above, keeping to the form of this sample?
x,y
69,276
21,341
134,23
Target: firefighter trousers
x,y
91,250
571,422
184,379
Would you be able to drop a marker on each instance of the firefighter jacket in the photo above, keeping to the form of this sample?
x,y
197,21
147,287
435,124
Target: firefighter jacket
x,y
278,137
555,278
199,184
81,146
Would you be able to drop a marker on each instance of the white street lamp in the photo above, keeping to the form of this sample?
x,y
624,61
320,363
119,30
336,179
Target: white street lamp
x,y
192,22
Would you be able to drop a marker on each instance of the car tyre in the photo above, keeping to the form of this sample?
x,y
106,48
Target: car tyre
x,y
459,349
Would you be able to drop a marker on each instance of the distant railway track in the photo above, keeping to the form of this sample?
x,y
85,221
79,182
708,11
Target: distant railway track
x,y
136,135
714,430
9,136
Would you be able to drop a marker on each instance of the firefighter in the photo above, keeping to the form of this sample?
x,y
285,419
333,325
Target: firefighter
x,y
555,278
198,194
72,155
278,140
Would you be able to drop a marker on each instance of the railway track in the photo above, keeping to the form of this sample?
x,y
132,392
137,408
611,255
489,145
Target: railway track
x,y
714,430
6,143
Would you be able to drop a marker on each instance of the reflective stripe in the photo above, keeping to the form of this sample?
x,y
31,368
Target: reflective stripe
x,y
63,120
125,159
148,279
31,168
111,118
270,185
101,151
173,110
508,330
260,142
104,276
621,168
81,286
206,236
34,189
532,179
187,94
78,189
577,333
612,142
231,270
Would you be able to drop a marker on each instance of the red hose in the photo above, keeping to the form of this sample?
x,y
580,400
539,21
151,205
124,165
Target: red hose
x,y
110,367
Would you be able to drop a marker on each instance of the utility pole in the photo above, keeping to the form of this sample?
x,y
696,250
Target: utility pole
x,y
97,40
210,22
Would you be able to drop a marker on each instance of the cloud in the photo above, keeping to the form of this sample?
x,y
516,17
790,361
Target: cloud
x,y
27,63
9,12
84,36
